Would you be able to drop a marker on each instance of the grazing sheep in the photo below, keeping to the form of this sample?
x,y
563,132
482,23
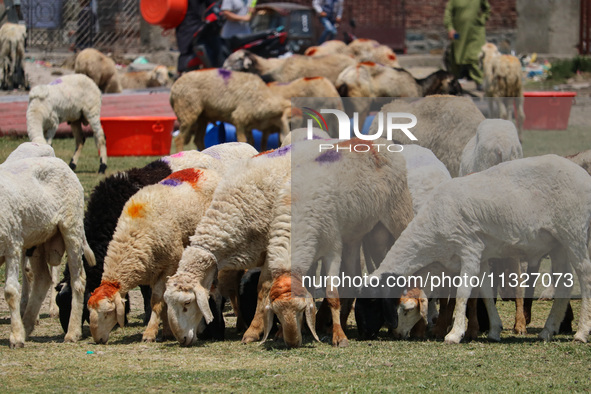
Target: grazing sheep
x,y
43,204
496,141
290,68
110,195
445,125
502,82
242,99
100,68
12,56
526,207
147,245
71,98
424,173
246,61
368,79
325,186
145,79
233,234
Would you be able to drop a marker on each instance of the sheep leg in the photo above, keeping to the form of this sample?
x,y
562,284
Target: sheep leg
x,y
473,328
199,130
446,307
257,326
519,327
532,266
470,267
158,306
94,121
520,115
54,251
72,237
12,296
242,135
27,281
79,139
332,296
561,296
53,308
583,270
495,324
39,291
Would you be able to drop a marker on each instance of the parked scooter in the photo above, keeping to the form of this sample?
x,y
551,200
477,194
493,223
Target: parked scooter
x,y
211,51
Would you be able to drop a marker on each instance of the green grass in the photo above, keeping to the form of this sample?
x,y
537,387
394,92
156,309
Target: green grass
x,y
521,364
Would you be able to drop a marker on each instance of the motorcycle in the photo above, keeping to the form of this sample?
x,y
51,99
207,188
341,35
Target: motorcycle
x,y
211,51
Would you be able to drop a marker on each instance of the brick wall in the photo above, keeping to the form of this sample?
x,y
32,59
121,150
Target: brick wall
x,y
421,15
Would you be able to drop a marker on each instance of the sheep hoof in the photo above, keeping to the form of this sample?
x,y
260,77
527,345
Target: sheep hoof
x,y
343,343
102,168
72,165
16,345
545,335
72,338
520,330
249,338
580,337
453,338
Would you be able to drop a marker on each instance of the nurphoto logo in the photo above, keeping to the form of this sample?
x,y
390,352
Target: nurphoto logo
x,y
391,124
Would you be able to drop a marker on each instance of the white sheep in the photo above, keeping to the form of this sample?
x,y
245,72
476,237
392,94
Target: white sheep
x,y
100,68
151,233
242,99
364,49
233,234
335,198
71,98
43,205
502,83
445,124
496,141
527,207
12,55
244,60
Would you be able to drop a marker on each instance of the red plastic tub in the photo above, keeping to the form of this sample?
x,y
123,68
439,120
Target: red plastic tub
x,y
165,13
547,110
138,135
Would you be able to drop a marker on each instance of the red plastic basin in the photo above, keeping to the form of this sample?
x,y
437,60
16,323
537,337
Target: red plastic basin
x,y
138,135
165,13
547,110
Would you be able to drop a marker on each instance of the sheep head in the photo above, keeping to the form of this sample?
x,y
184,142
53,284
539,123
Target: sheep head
x,y
106,308
290,302
412,309
158,77
188,300
240,60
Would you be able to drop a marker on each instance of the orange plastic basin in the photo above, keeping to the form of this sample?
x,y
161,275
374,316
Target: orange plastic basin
x,y
165,13
547,110
138,135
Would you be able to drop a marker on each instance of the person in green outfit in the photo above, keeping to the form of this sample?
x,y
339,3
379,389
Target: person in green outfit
x,y
464,21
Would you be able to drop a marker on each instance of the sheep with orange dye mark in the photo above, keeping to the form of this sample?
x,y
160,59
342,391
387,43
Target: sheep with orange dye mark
x,y
151,233
370,50
42,204
333,200
233,234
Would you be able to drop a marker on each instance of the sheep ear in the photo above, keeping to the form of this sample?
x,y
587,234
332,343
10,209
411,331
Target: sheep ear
x,y
311,317
202,298
120,309
268,322
423,305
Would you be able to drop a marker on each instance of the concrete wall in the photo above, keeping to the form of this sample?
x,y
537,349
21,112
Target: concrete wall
x,y
548,26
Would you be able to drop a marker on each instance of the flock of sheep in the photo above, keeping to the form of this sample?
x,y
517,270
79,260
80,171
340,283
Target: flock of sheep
x,y
198,227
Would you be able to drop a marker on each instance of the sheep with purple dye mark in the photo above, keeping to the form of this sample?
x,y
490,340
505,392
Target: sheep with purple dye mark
x,y
71,98
147,245
233,234
242,99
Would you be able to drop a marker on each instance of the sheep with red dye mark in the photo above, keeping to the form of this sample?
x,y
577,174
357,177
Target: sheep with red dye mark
x,y
334,199
151,234
42,204
242,99
233,234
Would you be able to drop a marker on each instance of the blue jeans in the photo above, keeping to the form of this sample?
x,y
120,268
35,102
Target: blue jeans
x,y
329,30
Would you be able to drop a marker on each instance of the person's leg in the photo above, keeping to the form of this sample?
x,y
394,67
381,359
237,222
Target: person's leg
x,y
475,73
327,29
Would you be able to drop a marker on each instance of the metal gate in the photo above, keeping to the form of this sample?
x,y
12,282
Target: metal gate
x,y
108,25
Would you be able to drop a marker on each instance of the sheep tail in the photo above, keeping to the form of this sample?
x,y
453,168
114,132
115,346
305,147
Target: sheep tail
x,y
89,254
